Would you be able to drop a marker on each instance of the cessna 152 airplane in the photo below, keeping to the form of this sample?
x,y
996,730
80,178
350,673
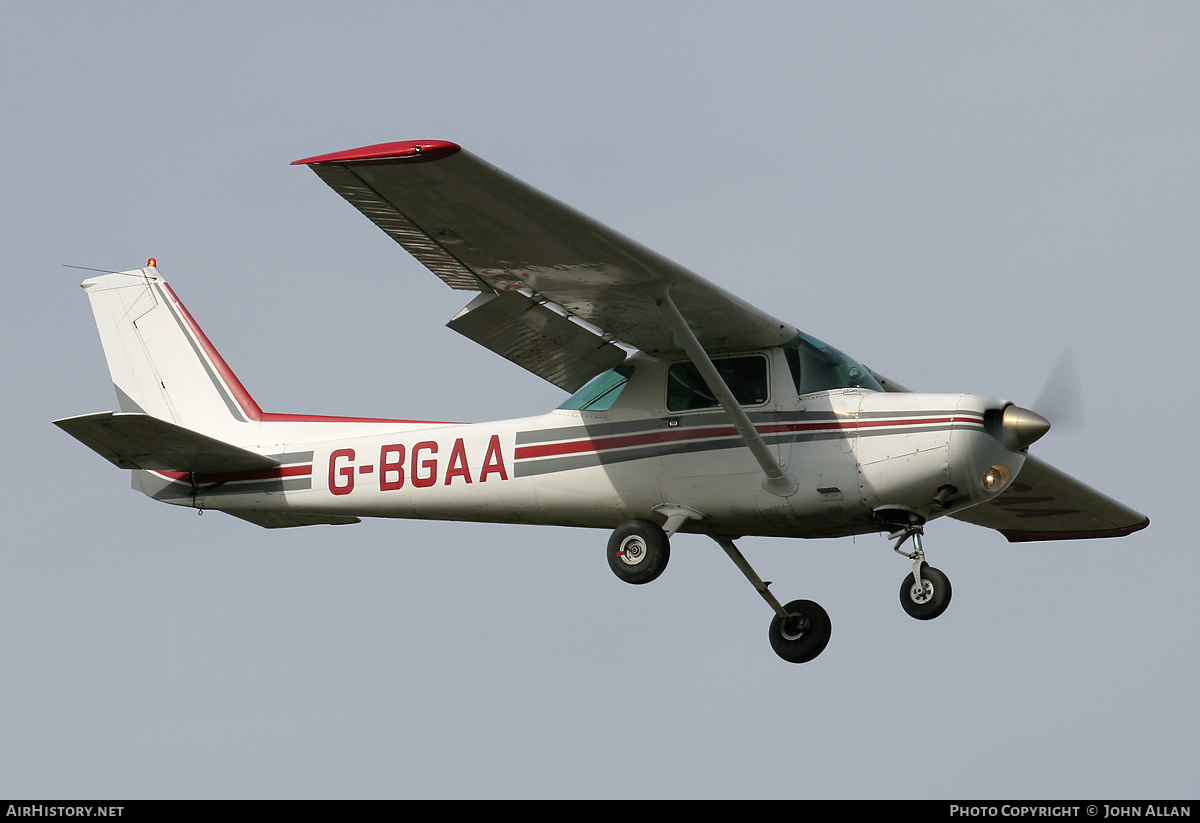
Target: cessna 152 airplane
x,y
690,409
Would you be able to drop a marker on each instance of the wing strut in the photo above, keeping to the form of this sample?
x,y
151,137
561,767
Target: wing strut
x,y
778,482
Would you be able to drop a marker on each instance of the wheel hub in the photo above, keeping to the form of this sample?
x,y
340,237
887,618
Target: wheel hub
x,y
921,593
633,551
794,627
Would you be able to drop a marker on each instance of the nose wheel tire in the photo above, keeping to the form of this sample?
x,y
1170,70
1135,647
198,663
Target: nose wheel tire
x,y
929,600
638,551
803,635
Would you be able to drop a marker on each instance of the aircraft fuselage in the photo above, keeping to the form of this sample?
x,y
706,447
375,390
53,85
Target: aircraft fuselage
x,y
853,452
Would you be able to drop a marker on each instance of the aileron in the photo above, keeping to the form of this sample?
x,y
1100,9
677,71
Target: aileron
x,y
398,227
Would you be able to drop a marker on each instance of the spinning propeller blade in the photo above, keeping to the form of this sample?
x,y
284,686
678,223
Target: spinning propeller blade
x,y
1061,398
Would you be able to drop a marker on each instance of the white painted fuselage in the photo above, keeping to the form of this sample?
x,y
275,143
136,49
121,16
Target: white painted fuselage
x,y
852,451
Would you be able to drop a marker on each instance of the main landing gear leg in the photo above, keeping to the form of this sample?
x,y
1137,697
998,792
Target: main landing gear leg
x,y
925,593
800,630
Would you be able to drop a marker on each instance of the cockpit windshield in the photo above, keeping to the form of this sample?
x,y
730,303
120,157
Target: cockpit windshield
x,y
817,366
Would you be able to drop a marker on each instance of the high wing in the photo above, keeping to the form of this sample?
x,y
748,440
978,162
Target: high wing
x,y
480,229
1045,504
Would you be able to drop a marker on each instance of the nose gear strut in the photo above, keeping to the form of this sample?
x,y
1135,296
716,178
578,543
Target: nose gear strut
x,y
925,593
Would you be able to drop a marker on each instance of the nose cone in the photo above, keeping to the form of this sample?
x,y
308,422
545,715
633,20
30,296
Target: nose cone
x,y
1023,427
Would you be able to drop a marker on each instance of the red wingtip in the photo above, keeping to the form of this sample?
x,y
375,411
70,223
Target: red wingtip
x,y
410,151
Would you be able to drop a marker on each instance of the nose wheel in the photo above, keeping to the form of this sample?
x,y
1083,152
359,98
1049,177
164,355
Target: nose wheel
x,y
928,599
925,593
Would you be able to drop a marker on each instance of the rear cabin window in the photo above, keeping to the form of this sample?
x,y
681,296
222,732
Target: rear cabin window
x,y
601,392
746,377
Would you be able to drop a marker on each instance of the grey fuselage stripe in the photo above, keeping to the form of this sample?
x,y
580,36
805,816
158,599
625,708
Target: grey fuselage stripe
x,y
178,490
234,408
528,467
708,419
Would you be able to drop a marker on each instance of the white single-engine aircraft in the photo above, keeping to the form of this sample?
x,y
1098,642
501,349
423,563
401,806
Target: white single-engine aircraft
x,y
691,410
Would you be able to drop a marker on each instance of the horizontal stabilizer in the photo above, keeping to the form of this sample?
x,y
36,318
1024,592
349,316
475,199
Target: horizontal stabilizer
x,y
140,441
1045,504
286,520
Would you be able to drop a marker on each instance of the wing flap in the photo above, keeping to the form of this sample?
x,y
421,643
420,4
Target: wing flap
x,y
140,441
1043,503
476,227
536,338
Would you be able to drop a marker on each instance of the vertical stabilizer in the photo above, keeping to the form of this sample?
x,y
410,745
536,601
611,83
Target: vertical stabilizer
x,y
161,363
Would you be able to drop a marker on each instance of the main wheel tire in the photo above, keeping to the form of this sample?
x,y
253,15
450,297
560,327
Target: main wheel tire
x,y
931,599
638,551
804,635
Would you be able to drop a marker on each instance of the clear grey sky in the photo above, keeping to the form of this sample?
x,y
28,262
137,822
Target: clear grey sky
x,y
950,192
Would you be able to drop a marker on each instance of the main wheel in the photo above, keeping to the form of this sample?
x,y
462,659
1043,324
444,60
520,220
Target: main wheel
x,y
638,551
803,635
928,601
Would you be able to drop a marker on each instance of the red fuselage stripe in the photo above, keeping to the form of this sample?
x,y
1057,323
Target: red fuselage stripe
x,y
243,398
259,474
676,435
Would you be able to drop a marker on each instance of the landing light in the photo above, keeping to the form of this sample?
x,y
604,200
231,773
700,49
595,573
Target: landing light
x,y
995,477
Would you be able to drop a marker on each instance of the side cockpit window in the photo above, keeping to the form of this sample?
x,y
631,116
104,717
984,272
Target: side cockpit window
x,y
817,366
746,377
601,392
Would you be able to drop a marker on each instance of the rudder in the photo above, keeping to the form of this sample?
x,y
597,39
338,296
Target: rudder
x,y
160,361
